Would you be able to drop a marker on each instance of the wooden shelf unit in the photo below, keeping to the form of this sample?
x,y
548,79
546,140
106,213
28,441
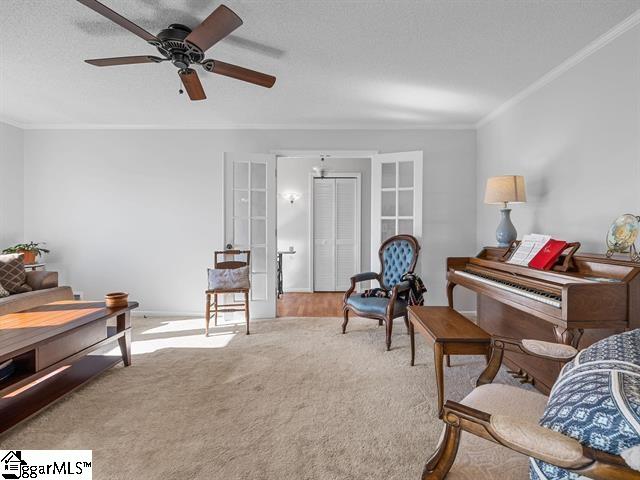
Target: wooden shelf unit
x,y
57,348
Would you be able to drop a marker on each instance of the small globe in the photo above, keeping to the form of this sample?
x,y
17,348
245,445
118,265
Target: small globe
x,y
623,233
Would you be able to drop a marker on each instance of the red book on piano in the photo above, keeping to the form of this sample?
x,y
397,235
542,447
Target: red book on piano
x,y
547,257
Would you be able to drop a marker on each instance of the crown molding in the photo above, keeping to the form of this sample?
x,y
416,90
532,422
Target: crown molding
x,y
627,24
94,126
13,123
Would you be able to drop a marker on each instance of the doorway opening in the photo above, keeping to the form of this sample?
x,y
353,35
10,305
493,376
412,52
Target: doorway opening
x,y
323,231
273,217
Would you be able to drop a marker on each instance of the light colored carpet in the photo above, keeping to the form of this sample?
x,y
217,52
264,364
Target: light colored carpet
x,y
294,400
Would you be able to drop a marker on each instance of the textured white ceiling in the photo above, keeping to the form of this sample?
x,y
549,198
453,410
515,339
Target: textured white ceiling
x,y
341,63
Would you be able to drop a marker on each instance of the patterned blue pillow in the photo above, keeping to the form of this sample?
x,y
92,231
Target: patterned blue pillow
x,y
596,400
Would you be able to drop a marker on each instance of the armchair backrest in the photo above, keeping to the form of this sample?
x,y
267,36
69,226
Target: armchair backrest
x,y
398,255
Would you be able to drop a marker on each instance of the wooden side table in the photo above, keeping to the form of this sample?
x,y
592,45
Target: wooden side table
x,y
279,273
34,266
450,333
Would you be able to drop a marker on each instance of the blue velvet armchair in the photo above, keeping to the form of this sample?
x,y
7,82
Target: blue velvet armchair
x,y
398,255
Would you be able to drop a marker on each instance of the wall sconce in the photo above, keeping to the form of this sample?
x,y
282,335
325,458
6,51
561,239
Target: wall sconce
x,y
290,196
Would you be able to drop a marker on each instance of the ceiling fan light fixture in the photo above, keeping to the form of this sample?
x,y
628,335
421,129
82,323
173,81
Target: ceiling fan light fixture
x,y
321,169
183,47
180,60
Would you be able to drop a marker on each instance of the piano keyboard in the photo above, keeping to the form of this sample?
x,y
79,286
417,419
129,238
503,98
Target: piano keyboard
x,y
540,296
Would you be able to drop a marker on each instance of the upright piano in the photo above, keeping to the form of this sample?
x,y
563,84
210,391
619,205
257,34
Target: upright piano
x,y
596,297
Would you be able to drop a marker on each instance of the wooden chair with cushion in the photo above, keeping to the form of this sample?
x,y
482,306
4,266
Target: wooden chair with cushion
x,y
496,432
398,255
229,276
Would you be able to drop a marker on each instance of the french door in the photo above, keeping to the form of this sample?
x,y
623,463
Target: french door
x,y
336,238
396,198
250,222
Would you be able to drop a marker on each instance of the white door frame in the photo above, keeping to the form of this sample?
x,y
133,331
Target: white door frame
x,y
326,153
334,174
296,153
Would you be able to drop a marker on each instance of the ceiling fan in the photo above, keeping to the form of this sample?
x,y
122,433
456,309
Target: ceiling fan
x,y
183,47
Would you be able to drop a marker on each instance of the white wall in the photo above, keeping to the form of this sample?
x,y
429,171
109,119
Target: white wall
x,y
140,210
11,185
577,142
293,219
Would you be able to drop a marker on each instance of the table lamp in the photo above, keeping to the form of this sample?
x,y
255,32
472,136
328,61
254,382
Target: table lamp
x,y
503,190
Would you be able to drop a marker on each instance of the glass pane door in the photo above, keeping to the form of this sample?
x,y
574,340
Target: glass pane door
x,y
250,222
396,198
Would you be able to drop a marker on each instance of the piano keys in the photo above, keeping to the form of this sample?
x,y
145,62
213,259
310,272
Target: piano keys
x,y
512,286
596,297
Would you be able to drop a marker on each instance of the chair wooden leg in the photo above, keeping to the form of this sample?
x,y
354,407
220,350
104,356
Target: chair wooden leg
x,y
406,322
389,330
207,314
246,309
437,360
448,358
412,337
438,466
215,309
345,321
379,323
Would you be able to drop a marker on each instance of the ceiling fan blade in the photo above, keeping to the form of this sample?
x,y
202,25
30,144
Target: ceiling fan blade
x,y
119,19
109,62
239,73
214,28
192,84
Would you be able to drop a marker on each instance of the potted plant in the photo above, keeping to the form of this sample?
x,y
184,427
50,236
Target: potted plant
x,y
31,251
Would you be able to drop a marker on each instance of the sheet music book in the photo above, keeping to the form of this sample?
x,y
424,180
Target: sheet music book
x,y
529,247
549,255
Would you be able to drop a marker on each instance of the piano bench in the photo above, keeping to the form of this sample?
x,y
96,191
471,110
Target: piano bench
x,y
450,333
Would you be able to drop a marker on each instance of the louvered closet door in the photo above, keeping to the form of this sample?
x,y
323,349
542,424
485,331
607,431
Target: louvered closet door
x,y
324,220
345,261
335,237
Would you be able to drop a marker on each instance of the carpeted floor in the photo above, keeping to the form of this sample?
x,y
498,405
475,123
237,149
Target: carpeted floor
x,y
294,400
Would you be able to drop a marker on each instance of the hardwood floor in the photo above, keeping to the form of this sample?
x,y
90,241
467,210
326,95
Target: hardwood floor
x,y
319,304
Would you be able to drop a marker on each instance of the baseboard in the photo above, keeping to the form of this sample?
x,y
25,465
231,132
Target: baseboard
x,y
164,313
298,290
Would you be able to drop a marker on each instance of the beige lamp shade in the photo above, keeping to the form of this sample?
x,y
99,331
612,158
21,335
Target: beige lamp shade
x,y
505,189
